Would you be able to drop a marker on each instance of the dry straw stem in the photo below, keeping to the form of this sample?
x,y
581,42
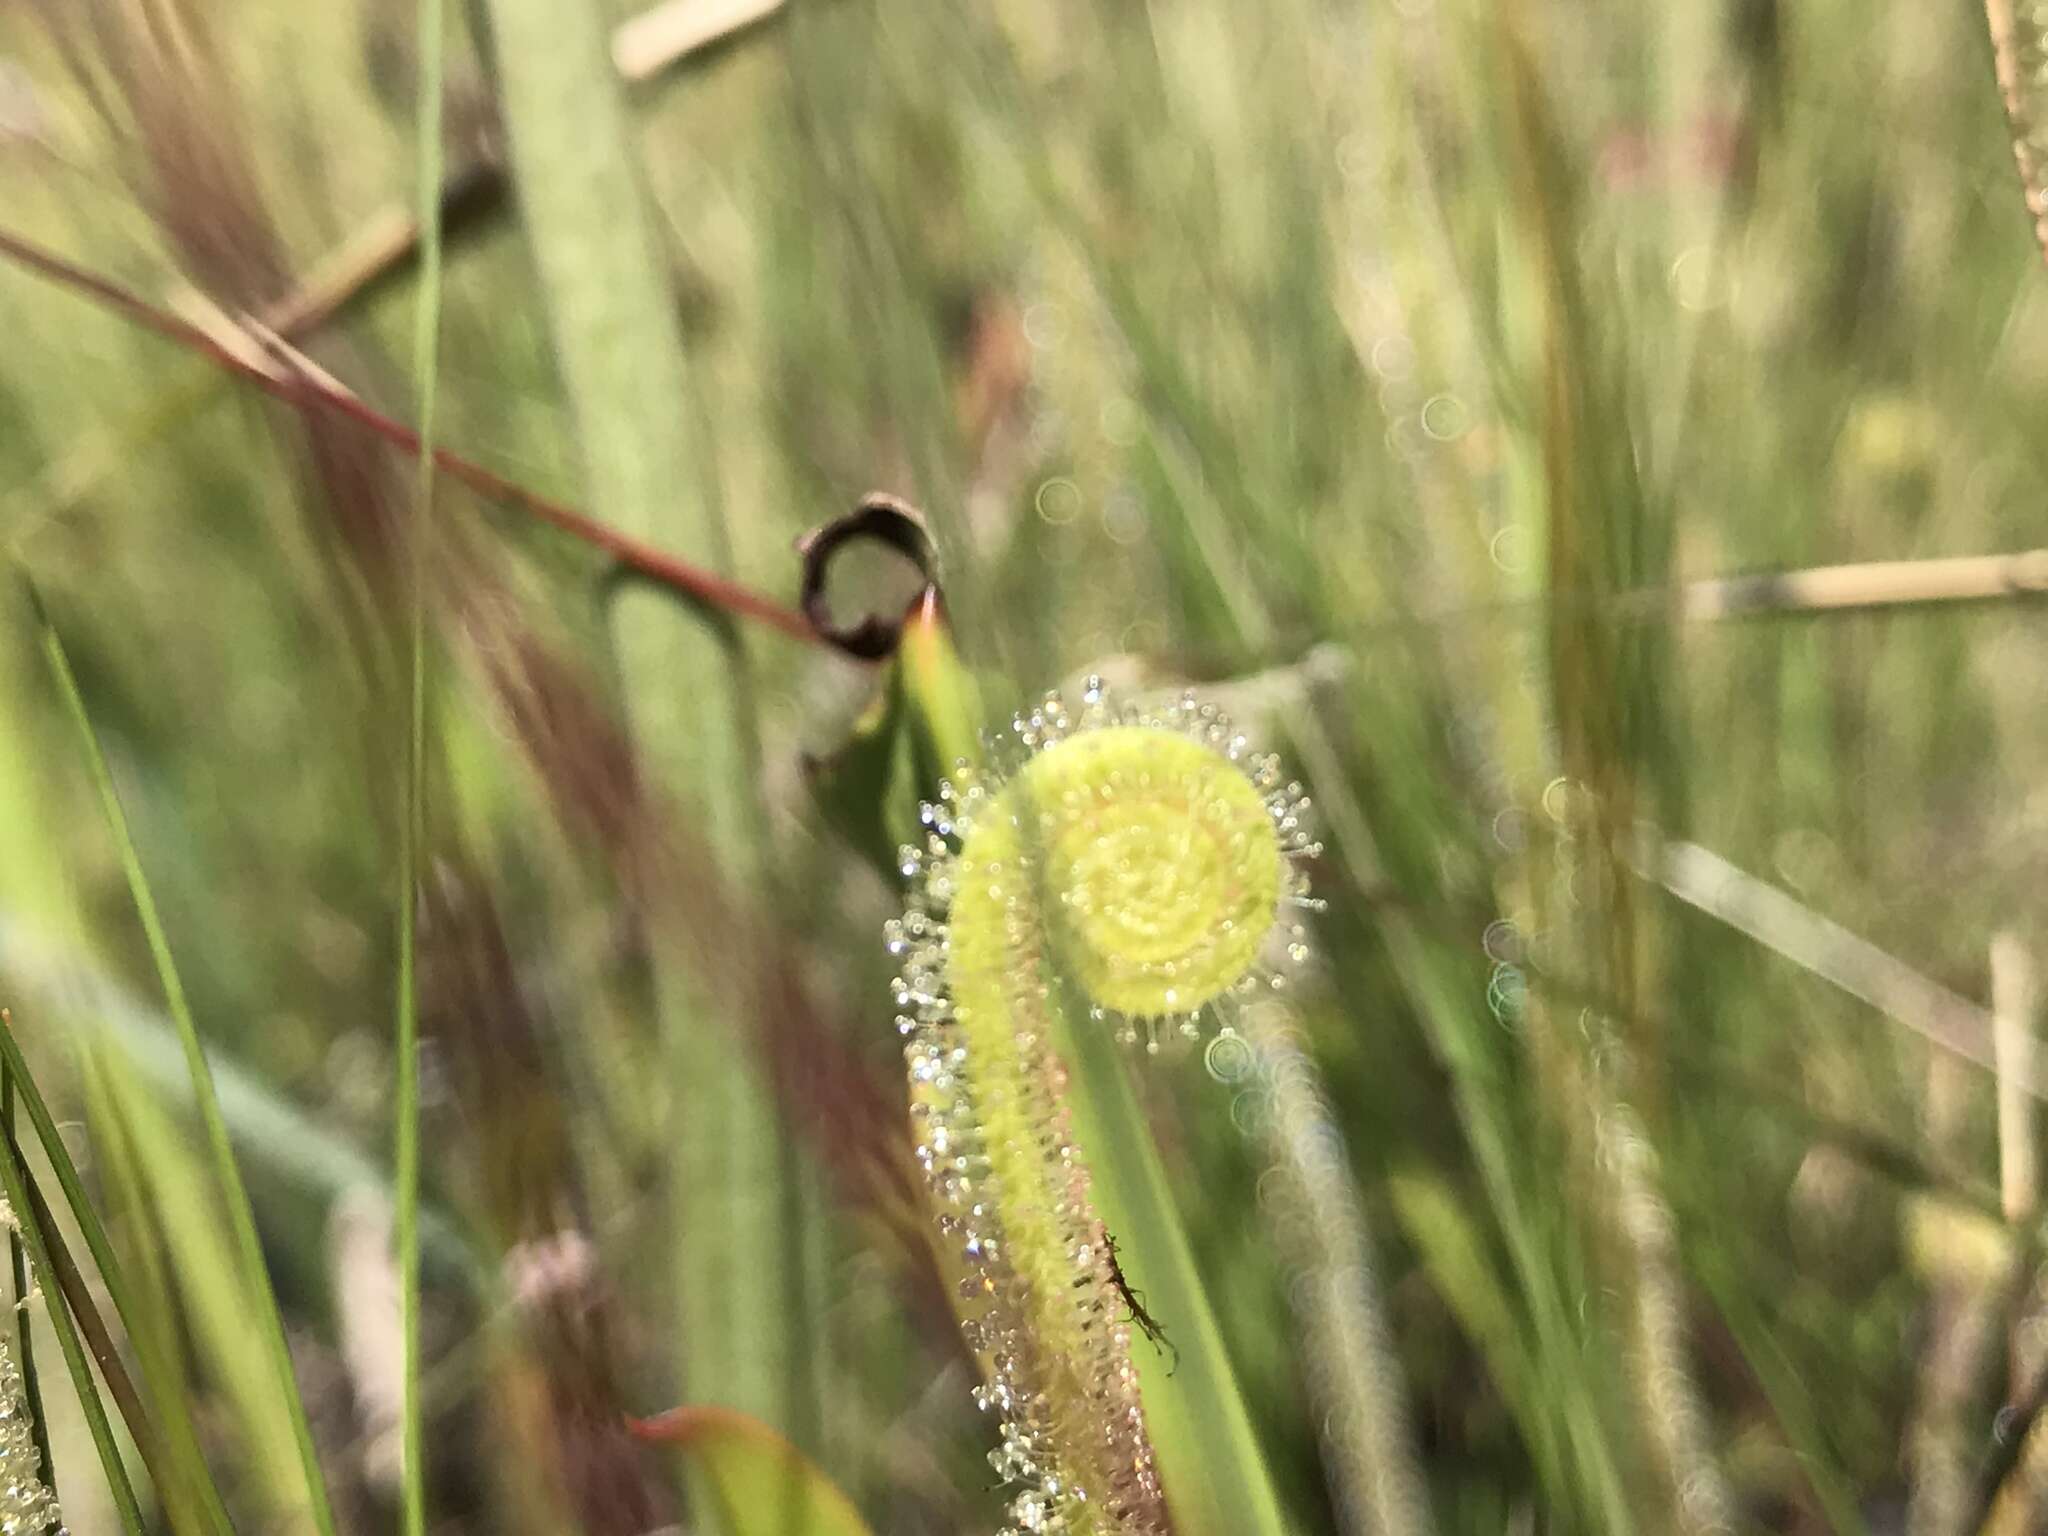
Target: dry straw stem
x,y
1353,1365
1705,880
1874,584
644,47
648,44
1678,1415
1962,1331
275,368
260,350
2015,1006
2017,44
2015,1000
380,246
2012,1511
1818,589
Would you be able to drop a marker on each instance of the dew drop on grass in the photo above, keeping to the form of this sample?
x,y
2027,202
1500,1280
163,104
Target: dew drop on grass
x,y
1228,1057
1506,993
1059,500
1123,517
1445,417
1508,550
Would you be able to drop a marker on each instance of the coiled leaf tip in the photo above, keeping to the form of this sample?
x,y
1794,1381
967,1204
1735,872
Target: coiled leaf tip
x,y
1133,867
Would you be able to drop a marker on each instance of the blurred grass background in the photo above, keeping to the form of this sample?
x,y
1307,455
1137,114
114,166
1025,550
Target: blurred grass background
x,y
1389,371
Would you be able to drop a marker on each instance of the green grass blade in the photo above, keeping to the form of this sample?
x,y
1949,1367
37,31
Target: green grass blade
x,y
182,1477
1798,1409
1354,1372
1453,1252
941,691
242,1214
216,1297
744,1211
762,1485
406,1152
14,1070
15,1177
1209,1456
17,1256
185,1483
292,1146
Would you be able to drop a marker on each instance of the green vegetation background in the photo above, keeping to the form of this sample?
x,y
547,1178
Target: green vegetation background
x,y
1366,365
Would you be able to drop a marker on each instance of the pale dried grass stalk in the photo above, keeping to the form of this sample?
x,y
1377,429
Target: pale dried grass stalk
x,y
1352,1365
2019,50
2014,1000
1677,1414
1869,584
1962,1328
1705,880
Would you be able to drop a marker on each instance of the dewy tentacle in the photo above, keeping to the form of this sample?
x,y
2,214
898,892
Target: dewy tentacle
x,y
1134,866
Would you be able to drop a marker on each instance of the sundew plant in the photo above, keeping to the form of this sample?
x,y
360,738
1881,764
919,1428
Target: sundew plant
x,y
1128,874
1498,991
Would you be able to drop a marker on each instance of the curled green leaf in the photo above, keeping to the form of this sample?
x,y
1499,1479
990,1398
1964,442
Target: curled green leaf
x,y
1128,875
763,1485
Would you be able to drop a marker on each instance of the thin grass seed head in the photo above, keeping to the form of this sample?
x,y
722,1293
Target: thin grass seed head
x,y
1131,870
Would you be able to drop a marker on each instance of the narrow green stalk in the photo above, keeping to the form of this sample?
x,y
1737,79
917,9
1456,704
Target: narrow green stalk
x,y
940,689
291,1144
24,1342
1209,1453
76,1296
1354,1371
192,1502
743,1204
412,836
241,1212
15,1178
1798,1405
186,1478
1677,1416
406,1150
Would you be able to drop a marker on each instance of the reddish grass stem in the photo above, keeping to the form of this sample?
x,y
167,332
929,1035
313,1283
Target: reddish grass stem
x,y
307,392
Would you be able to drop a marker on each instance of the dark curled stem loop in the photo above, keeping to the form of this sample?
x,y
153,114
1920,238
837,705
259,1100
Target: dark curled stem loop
x,y
885,519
